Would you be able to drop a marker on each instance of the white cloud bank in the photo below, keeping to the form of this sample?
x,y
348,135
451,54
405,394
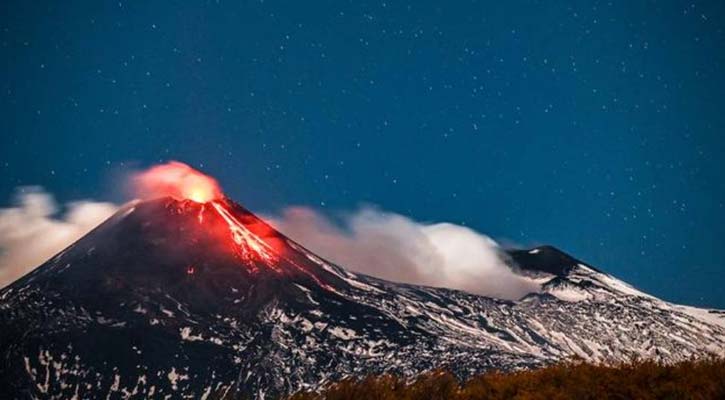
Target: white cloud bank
x,y
31,232
394,247
377,243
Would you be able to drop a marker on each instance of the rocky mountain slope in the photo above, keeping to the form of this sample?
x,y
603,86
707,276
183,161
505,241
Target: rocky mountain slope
x,y
181,299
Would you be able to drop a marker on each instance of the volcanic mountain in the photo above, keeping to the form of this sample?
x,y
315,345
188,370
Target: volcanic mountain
x,y
181,299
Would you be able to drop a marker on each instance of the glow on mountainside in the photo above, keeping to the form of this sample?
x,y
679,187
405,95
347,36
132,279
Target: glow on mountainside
x,y
252,240
182,182
250,246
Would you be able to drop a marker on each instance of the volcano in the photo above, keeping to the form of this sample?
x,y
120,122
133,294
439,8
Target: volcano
x,y
185,299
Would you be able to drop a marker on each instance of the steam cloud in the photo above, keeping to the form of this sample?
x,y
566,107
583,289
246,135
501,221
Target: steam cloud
x,y
396,248
370,241
30,233
177,180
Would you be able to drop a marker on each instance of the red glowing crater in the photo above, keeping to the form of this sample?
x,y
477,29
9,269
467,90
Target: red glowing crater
x,y
252,241
182,182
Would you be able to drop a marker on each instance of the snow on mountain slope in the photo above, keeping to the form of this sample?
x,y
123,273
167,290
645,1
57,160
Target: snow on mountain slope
x,y
183,299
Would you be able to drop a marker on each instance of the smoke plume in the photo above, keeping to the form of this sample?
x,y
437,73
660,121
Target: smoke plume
x,y
177,180
394,247
31,232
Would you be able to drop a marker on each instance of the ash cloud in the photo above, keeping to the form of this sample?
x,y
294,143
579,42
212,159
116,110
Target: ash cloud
x,y
397,248
31,231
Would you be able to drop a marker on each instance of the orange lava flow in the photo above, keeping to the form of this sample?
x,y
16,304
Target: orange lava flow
x,y
200,216
250,246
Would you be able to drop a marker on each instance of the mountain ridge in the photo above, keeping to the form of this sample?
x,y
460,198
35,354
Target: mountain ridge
x,y
181,298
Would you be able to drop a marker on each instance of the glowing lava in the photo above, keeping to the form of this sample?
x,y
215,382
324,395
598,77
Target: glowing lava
x,y
182,182
177,180
250,246
248,237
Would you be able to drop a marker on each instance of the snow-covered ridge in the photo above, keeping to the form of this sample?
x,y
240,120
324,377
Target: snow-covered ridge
x,y
121,314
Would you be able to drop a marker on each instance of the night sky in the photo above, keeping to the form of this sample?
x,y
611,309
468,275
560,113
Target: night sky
x,y
597,127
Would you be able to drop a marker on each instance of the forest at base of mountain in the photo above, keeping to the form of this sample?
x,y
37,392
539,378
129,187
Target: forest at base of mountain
x,y
695,379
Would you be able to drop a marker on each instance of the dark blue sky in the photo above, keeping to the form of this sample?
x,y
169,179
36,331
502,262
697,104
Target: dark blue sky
x,y
597,127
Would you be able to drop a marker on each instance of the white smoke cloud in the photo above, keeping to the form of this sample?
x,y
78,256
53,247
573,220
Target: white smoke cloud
x,y
394,247
31,233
